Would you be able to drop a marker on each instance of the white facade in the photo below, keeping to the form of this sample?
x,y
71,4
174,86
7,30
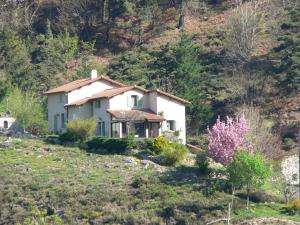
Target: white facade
x,y
7,123
80,103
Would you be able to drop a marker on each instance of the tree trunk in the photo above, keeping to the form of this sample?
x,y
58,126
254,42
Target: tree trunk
x,y
181,17
108,22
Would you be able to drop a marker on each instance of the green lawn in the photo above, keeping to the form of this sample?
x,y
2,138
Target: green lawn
x,y
70,186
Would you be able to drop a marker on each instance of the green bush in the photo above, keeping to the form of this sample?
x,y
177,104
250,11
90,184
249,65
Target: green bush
x,y
202,161
160,144
293,208
110,145
171,152
174,153
79,130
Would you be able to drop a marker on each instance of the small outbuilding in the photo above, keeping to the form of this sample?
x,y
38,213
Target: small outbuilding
x,y
7,123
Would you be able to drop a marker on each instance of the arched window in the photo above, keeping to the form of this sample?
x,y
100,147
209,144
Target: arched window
x,y
5,124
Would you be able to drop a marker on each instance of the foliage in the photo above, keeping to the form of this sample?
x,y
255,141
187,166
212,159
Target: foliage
x,y
110,145
41,217
28,111
16,59
248,170
226,137
50,55
261,133
175,68
295,205
79,130
202,161
171,152
245,27
71,185
288,68
159,144
174,153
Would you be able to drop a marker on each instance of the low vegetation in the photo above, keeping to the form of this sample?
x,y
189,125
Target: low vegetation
x,y
42,183
79,130
107,145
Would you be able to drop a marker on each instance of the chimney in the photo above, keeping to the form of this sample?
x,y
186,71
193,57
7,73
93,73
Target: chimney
x,y
94,74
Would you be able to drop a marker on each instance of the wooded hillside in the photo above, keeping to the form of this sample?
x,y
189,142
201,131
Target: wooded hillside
x,y
224,56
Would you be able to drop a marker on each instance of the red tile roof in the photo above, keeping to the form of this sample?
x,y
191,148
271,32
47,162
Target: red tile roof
x,y
109,93
170,96
135,115
80,83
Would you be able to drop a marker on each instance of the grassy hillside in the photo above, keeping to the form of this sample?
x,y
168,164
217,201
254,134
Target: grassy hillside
x,y
51,184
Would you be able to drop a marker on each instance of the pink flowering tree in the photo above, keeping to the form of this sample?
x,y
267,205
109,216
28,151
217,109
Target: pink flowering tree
x,y
226,137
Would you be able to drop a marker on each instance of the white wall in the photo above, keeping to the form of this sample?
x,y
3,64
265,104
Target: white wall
x,y
55,107
152,101
10,121
82,112
89,90
121,101
101,114
173,110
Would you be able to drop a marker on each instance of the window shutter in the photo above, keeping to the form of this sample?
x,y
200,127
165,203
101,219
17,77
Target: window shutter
x,y
174,125
140,103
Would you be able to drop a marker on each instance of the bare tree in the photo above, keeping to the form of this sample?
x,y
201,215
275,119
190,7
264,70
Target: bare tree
x,y
245,26
261,134
18,15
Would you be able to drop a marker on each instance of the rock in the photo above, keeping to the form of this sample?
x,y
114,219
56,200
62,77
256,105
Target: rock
x,y
5,145
23,135
50,149
149,164
130,160
107,165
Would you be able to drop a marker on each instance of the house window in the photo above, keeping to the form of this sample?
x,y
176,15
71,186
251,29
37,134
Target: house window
x,y
139,129
5,124
101,129
134,100
98,104
171,125
63,123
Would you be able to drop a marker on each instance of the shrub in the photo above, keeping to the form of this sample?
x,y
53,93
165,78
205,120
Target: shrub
x,y
79,130
293,208
110,145
295,205
174,153
160,144
202,161
260,197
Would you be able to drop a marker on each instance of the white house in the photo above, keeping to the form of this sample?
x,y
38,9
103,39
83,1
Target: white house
x,y
118,108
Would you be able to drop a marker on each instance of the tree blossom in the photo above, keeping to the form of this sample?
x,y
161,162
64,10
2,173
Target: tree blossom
x,y
226,137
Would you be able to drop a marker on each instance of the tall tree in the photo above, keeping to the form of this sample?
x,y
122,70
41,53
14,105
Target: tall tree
x,y
289,50
15,59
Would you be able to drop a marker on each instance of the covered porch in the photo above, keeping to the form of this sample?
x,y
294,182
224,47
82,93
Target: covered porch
x,y
143,123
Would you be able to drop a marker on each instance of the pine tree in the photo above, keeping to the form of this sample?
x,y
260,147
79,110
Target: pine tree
x,y
289,49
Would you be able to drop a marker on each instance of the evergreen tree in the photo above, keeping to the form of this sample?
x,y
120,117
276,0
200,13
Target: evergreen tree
x,y
15,59
50,56
289,49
